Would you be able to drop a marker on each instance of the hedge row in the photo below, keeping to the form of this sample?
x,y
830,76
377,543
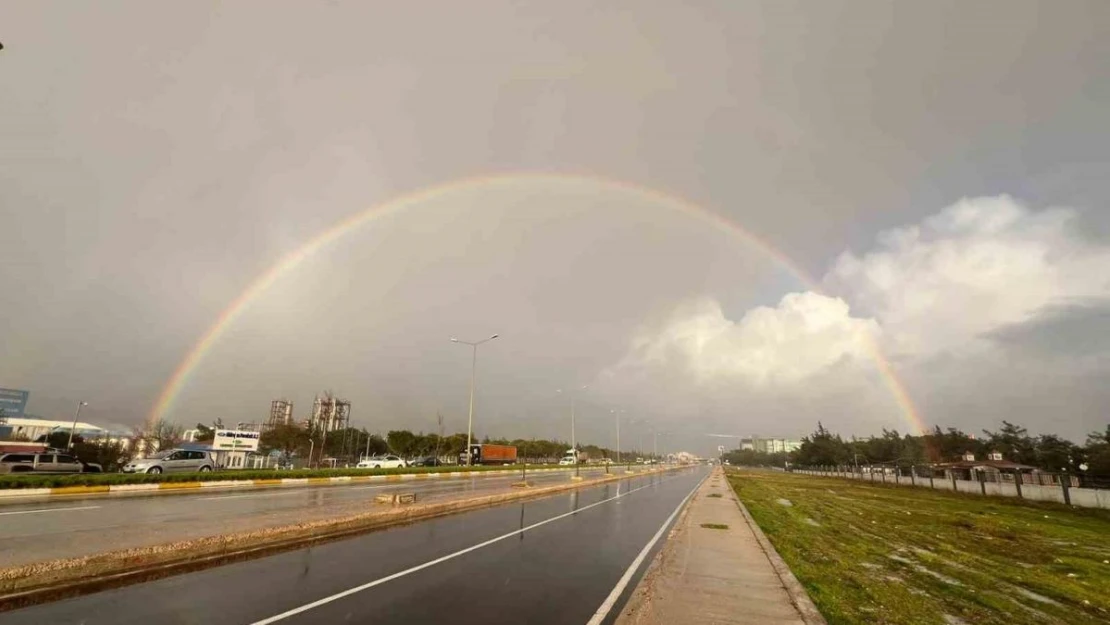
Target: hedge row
x,y
101,479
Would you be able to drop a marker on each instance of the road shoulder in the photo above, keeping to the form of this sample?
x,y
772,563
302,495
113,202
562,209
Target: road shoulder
x,y
728,573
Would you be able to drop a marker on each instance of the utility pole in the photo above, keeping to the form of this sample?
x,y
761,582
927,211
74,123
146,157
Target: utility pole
x,y
69,445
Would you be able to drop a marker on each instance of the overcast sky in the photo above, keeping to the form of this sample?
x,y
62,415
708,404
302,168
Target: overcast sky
x,y
939,170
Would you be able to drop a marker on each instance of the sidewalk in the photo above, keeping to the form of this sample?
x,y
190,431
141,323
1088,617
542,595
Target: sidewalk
x,y
718,576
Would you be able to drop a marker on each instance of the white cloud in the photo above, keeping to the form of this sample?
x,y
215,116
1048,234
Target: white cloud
x,y
802,336
941,286
976,266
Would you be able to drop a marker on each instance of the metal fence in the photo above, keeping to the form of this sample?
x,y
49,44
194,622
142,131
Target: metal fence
x,y
1074,490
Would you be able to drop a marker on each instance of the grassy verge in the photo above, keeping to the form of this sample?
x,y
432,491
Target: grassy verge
x,y
883,554
100,479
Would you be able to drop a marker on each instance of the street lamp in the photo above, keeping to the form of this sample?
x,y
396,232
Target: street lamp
x,y
573,440
473,373
80,404
617,417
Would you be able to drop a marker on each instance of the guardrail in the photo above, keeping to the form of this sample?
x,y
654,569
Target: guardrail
x,y
1065,488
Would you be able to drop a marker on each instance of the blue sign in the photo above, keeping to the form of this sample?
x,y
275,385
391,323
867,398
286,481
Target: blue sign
x,y
13,402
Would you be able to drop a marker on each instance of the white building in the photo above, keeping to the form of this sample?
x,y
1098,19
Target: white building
x,y
775,445
32,428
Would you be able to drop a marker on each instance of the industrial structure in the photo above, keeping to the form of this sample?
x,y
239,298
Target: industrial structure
x,y
281,413
329,414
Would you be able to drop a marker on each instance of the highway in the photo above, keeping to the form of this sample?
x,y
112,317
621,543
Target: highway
x,y
552,560
66,528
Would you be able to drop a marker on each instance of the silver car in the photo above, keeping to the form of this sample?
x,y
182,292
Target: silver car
x,y
172,461
40,463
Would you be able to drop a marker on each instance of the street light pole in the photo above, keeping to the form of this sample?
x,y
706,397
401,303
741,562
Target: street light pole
x,y
473,374
617,414
573,440
69,445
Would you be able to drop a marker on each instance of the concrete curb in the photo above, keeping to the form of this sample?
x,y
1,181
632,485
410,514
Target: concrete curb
x,y
8,495
798,595
311,533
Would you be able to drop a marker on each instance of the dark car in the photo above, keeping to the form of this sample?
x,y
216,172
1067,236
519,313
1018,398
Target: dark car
x,y
426,462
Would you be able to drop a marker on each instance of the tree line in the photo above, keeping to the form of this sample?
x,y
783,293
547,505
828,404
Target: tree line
x,y
296,441
349,444
1047,452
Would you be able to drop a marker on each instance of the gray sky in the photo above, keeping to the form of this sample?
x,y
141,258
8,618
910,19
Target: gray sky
x,y
941,169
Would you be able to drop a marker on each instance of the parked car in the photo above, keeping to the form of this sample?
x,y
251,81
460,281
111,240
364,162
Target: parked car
x,y
382,462
47,462
430,461
172,461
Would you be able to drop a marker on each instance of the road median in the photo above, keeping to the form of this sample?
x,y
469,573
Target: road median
x,y
50,580
15,489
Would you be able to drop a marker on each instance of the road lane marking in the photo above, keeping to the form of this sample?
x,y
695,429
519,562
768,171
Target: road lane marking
x,y
611,600
357,589
49,510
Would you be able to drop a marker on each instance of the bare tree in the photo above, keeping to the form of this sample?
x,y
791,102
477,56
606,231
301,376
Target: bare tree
x,y
156,436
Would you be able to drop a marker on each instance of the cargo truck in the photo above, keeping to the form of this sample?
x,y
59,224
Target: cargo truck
x,y
490,454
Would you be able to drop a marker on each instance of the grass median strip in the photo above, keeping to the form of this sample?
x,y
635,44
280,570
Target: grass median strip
x,y
876,554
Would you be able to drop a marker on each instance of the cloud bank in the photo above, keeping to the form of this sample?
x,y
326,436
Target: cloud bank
x,y
964,304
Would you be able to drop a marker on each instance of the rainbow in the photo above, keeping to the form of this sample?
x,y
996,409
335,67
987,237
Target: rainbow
x,y
235,309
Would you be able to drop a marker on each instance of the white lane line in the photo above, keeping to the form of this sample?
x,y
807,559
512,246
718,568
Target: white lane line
x,y
350,591
50,510
611,600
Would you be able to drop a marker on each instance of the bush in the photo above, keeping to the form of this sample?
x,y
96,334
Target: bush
x,y
103,479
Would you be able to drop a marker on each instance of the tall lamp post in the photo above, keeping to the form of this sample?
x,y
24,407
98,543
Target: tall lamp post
x,y
80,404
617,417
473,373
573,440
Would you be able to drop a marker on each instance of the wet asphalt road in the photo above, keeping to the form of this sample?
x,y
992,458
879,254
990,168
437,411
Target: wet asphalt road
x,y
44,530
448,570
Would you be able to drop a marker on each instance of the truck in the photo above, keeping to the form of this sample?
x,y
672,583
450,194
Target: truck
x,y
490,454
570,457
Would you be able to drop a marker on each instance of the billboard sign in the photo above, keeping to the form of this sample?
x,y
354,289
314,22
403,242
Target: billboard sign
x,y
13,402
235,440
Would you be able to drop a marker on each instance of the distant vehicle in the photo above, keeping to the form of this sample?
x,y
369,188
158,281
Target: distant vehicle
x,y
567,461
430,461
382,462
40,463
172,461
490,454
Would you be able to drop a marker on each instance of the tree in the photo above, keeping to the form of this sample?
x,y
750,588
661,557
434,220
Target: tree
x,y
1056,454
288,438
204,434
156,436
1014,442
401,442
823,448
1097,451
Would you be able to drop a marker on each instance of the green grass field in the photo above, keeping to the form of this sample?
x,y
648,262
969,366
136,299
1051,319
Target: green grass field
x,y
888,554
